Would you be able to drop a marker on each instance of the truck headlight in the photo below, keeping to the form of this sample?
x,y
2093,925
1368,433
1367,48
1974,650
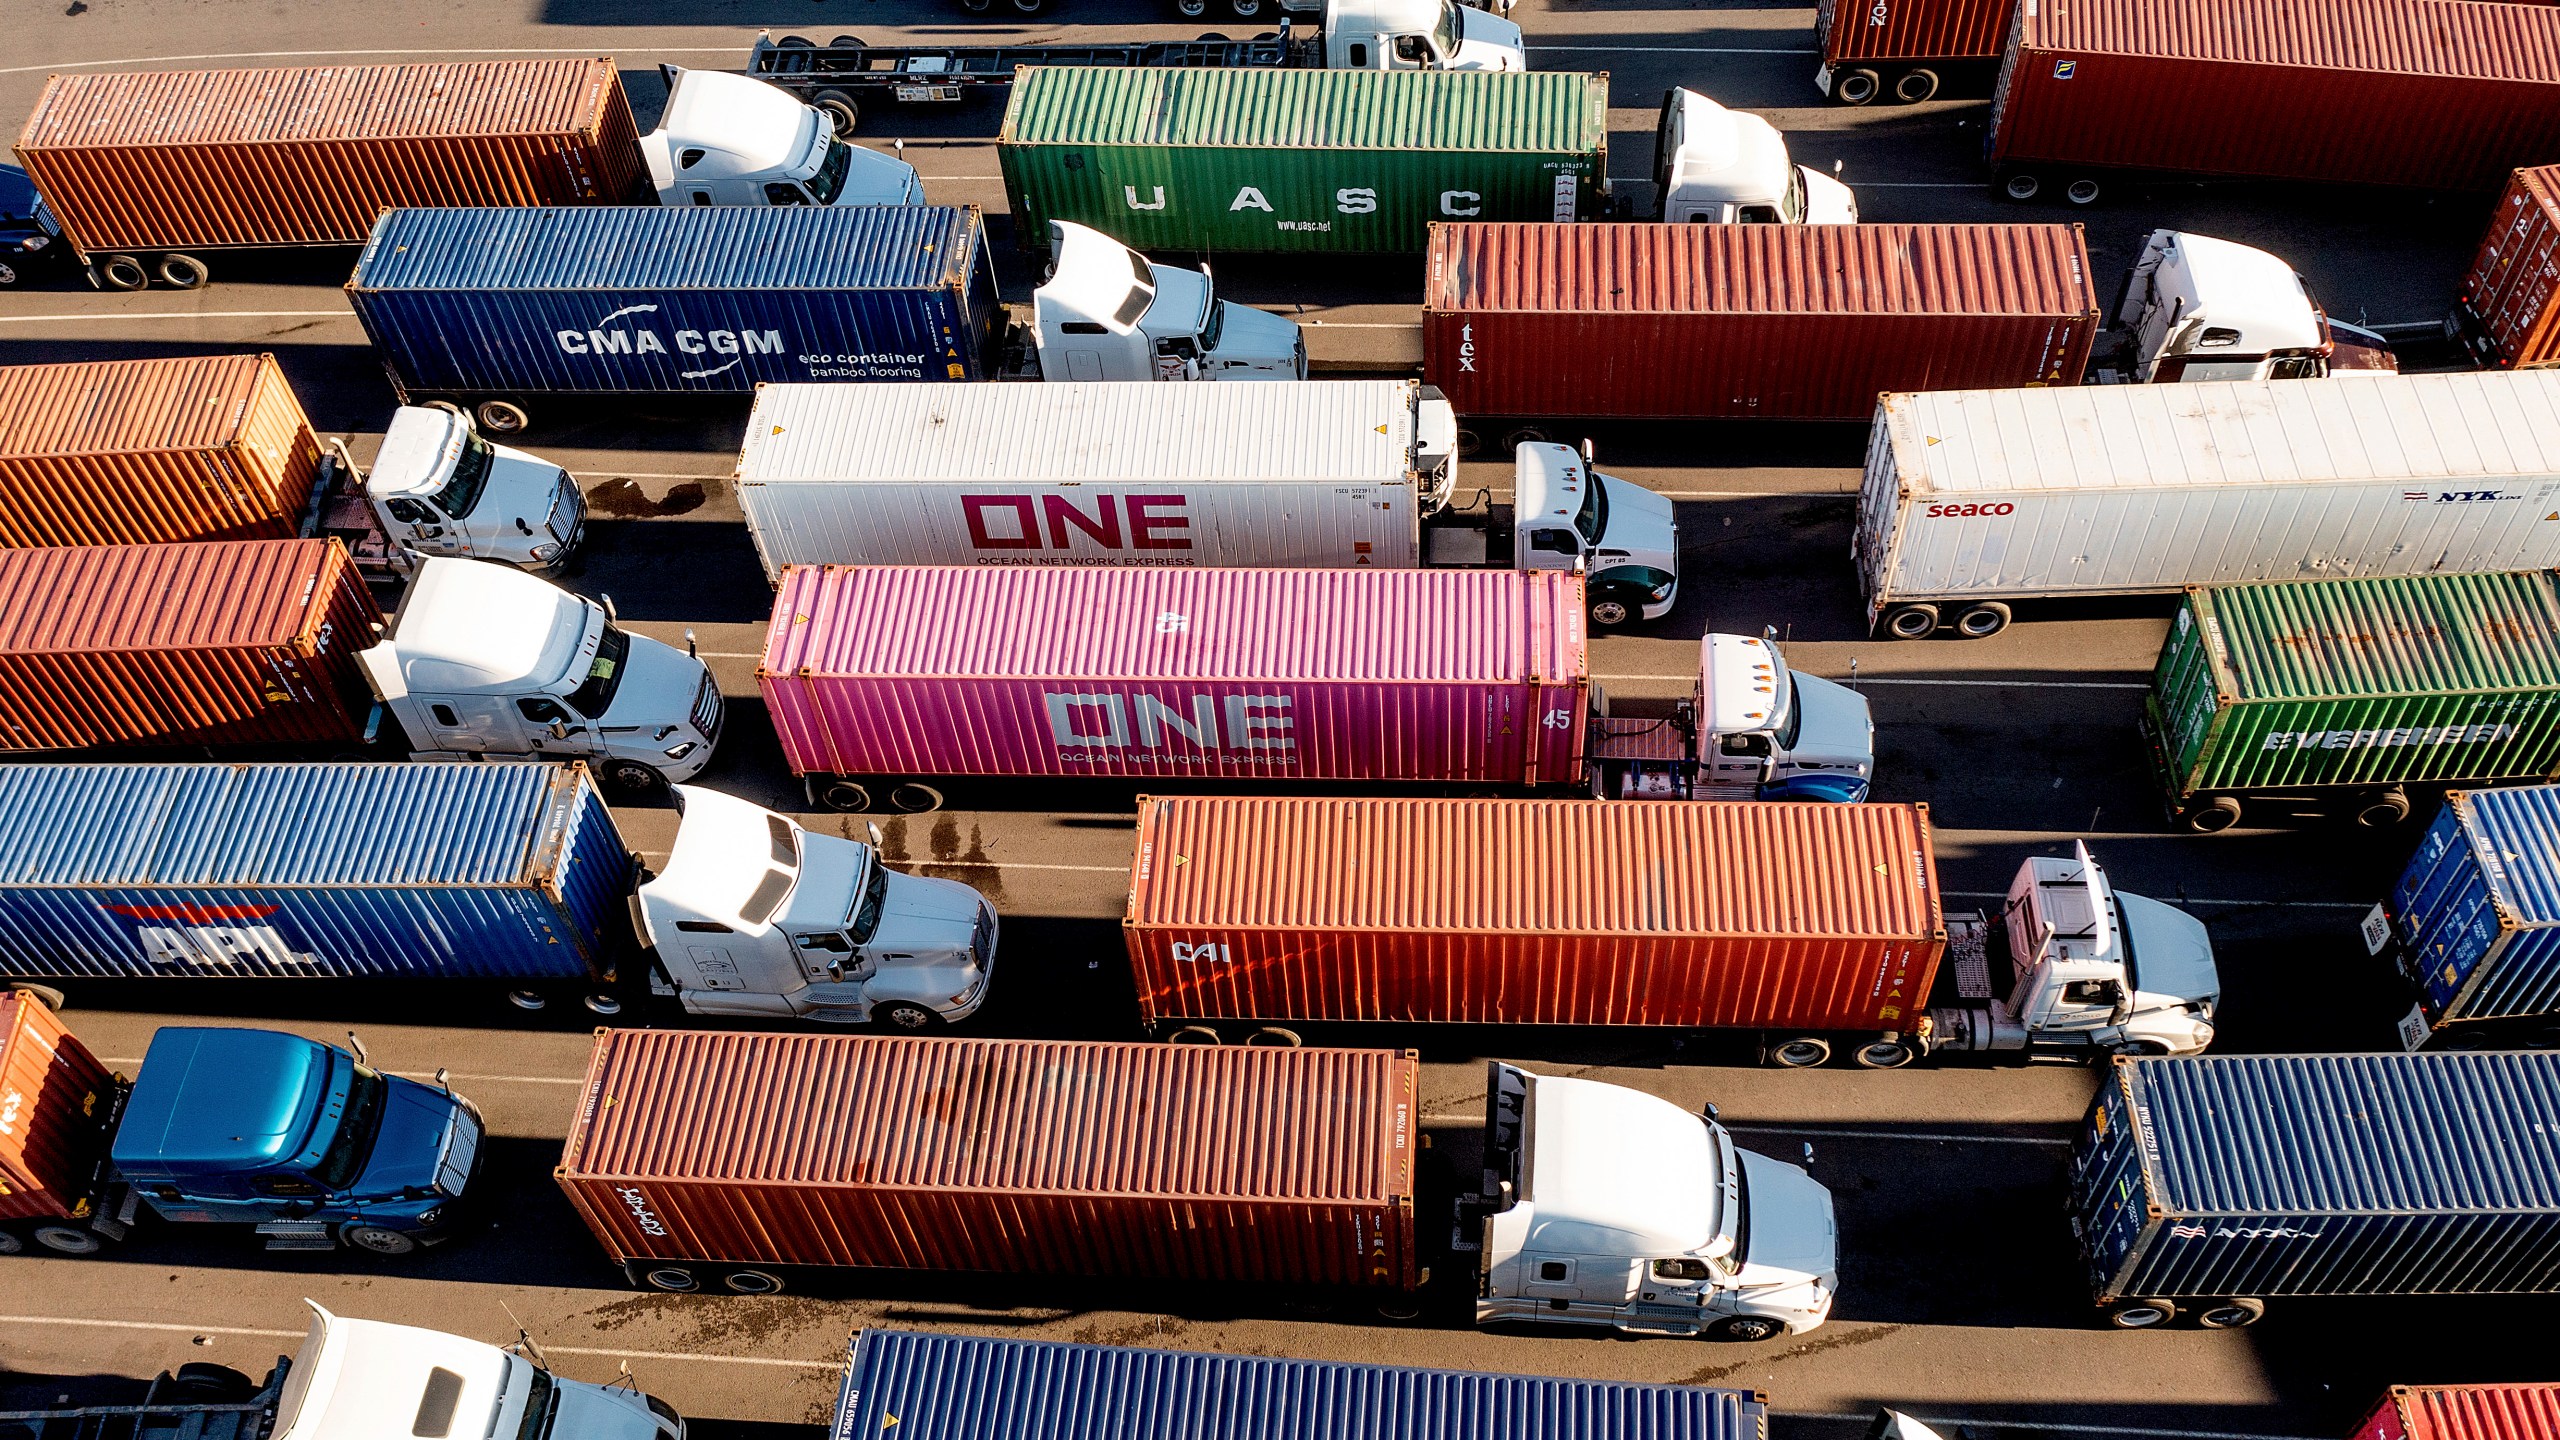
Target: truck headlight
x,y
545,553
680,751
1663,590
35,242
432,1215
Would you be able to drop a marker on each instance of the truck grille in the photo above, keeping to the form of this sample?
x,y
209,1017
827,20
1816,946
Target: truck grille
x,y
461,1153
706,709
982,940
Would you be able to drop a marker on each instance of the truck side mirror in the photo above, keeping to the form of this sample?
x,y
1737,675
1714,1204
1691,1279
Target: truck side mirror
x,y
559,729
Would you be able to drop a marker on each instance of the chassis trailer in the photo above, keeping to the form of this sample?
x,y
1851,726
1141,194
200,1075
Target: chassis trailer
x,y
845,74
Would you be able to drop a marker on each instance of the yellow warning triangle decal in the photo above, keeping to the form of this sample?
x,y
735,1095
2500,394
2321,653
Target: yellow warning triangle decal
x,y
888,1420
1181,859
1382,429
1932,439
777,429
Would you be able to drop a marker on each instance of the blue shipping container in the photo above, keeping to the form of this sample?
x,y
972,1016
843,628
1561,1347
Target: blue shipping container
x,y
643,300
2227,1176
959,1387
502,870
2478,910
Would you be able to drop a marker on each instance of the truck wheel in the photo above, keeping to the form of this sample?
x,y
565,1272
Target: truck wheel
x,y
633,778
1911,622
2141,1314
904,1016
2141,1050
1609,612
762,1282
122,272
1856,87
528,999
674,1279
69,1240
1915,86
379,1241
2214,816
219,1384
2231,1314
1275,1037
599,1003
2083,191
1526,435
1398,1308
11,1244
838,107
184,272
1884,1055
1981,622
846,796
1801,1053
44,995
1190,9
1746,1328
1194,1035
1029,7
1247,9
1470,442
914,799
848,42
2384,810
977,7
2021,187
501,417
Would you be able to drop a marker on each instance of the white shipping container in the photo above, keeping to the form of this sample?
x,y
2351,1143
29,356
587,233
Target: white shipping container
x,y
1315,475
1975,495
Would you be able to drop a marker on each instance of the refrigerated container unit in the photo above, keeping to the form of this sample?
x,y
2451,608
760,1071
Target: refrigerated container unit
x,y
2464,1412
2473,923
1974,499
503,304
2507,314
2449,95
1779,322
1912,50
504,871
1339,161
2348,696
2210,1185
146,172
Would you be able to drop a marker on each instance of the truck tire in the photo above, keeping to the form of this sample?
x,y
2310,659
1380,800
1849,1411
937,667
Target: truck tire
x,y
528,999
375,1240
44,995
2384,810
2083,190
1982,621
977,7
904,1016
1029,7
1190,9
2023,186
1914,86
846,796
600,1003
1247,9
1608,612
2141,1314
1856,87
500,417
1747,1328
633,778
1195,1035
11,1243
2213,816
220,1384
183,272
838,106
674,1279
914,798
121,272
762,1282
1275,1037
2234,1314
1803,1052
69,1240
1884,1055
1911,622
1526,435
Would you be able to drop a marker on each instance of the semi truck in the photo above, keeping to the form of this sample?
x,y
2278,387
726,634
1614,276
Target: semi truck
x,y
2470,928
303,1142
349,1372
2353,697
1458,677
1353,473
1249,917
1975,500
1716,166
1600,1207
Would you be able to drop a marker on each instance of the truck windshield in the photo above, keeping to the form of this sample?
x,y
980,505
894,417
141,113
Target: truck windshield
x,y
1793,207
828,183
1446,31
470,479
1141,295
344,1160
875,894
1593,519
541,1405
1213,320
594,695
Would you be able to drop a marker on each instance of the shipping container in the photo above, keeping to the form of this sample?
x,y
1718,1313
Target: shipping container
x,y
131,452
971,1387
1974,498
1777,322
190,160
60,1105
712,300
1533,912
694,1152
2464,1412
2506,310
1420,675
2449,94
1083,474
234,642
2214,1182
2345,693
1350,161
1911,50
500,870
2477,917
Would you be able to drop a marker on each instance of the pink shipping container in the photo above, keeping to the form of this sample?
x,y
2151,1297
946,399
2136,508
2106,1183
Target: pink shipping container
x,y
1533,912
694,1152
2509,307
2465,1412
1778,322
2427,94
56,1099
905,672
1908,50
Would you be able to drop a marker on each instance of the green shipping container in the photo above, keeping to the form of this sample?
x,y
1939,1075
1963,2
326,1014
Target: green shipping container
x,y
1349,161
2306,689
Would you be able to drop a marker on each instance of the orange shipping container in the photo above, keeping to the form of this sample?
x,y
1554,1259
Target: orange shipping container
x,y
1534,912
211,159
127,452
2465,1412
221,643
55,1104
2509,306
697,1151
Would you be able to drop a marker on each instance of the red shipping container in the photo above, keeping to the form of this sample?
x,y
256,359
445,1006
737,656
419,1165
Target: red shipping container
x,y
1159,1162
924,670
1534,912
2431,94
2506,306
1778,322
221,643
55,1102
2465,1412
1890,36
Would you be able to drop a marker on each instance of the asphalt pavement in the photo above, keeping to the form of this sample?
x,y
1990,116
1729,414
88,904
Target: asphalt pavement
x,y
1960,1296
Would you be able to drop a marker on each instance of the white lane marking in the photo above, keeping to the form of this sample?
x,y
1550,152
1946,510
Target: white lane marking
x,y
1821,1132
647,474
177,314
1949,1424
1752,494
254,1332
1641,50
1923,185
729,655
1012,865
1892,680
2196,900
308,54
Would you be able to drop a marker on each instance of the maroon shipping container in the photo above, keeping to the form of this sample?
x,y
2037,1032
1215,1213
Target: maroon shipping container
x,y
221,643
1908,48
1781,322
54,1102
2465,1412
2429,94
1534,912
2509,306
1164,1162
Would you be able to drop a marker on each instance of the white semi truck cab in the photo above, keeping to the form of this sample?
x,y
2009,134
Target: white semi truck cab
x,y
1418,35
732,140
1106,312
1607,1207
1716,166
368,1380
754,915
2197,308
1564,515
482,660
1754,729
438,488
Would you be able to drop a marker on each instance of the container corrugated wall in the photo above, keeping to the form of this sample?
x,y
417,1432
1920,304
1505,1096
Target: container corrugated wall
x,y
968,1387
1441,675
209,159
1082,474
677,300
2424,679
1355,161
57,1098
1547,912
2226,1176
1854,31
2128,489
2477,910
506,869
1781,322
2509,293
235,642
2464,1412
1008,1156
2448,94
130,452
